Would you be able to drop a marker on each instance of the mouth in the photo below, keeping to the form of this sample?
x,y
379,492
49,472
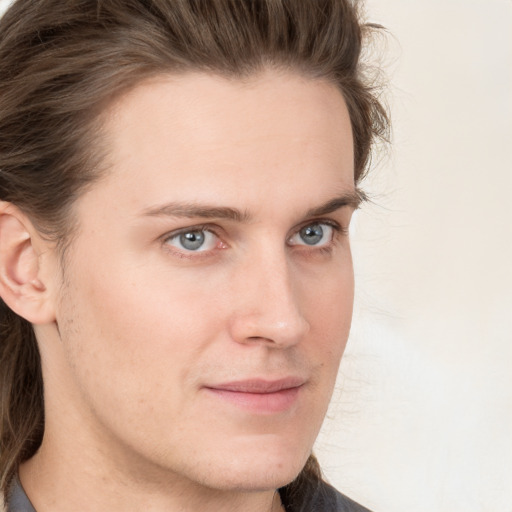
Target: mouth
x,y
259,395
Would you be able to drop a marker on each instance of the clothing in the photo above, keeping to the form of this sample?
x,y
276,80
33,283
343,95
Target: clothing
x,y
320,497
18,501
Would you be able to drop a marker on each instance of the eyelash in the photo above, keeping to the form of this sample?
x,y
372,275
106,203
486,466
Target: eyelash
x,y
184,254
321,222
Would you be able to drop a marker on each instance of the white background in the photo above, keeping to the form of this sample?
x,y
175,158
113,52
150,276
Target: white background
x,y
422,417
423,421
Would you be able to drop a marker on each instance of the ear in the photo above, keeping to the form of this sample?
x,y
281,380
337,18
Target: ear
x,y
22,286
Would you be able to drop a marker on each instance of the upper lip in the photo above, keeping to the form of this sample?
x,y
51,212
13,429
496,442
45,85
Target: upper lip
x,y
260,385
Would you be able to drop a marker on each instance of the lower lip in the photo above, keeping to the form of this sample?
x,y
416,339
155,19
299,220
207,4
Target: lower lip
x,y
262,403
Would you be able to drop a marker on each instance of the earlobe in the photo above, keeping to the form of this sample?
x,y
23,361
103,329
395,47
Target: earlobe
x,y
21,285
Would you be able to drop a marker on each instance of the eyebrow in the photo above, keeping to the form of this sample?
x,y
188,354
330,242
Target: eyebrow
x,y
192,210
351,199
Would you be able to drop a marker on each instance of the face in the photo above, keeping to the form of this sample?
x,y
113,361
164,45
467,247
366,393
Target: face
x,y
206,299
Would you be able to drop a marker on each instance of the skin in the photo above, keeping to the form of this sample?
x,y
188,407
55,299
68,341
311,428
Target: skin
x,y
140,328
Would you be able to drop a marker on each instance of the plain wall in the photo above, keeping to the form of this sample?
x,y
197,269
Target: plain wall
x,y
422,418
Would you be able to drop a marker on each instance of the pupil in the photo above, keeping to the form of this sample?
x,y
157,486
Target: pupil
x,y
192,240
311,235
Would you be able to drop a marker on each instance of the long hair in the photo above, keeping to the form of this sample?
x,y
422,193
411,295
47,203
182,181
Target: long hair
x,y
61,63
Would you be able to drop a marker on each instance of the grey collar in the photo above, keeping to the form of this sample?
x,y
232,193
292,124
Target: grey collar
x,y
18,500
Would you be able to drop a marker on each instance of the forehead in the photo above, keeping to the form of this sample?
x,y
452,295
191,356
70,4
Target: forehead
x,y
208,136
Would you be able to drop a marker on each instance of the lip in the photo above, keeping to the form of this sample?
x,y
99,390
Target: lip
x,y
260,395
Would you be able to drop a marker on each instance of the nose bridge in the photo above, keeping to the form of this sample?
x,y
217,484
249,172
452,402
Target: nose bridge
x,y
268,305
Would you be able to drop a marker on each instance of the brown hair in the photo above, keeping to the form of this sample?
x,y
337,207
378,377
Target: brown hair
x,y
60,64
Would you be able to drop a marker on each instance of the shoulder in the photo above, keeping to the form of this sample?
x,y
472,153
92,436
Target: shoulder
x,y
319,496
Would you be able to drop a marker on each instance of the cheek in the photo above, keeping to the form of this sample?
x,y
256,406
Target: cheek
x,y
134,331
329,305
330,315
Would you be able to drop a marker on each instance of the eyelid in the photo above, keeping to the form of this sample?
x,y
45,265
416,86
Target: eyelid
x,y
338,228
215,229
180,231
184,253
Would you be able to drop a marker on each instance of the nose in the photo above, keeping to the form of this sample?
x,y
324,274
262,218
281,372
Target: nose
x,y
266,303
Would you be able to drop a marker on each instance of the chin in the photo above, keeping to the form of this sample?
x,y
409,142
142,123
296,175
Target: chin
x,y
252,472
254,480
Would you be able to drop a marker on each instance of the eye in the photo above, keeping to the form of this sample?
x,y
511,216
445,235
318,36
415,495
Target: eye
x,y
193,240
317,234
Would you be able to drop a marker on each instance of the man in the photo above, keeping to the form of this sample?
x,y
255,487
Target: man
x,y
177,181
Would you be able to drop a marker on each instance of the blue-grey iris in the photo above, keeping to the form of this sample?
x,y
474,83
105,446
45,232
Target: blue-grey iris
x,y
192,240
312,234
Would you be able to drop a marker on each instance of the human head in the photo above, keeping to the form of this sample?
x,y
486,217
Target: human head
x,y
59,73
